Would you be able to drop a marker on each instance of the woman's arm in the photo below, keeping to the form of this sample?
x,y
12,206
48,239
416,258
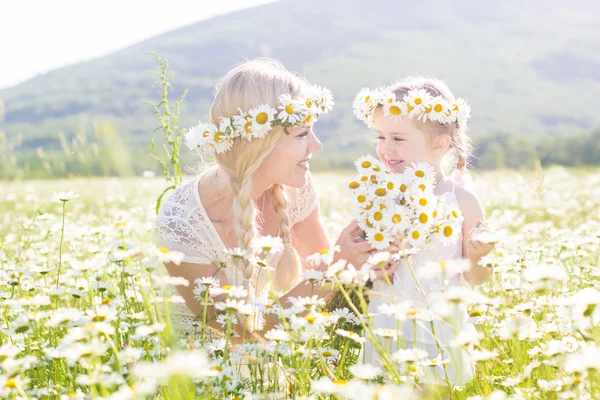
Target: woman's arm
x,y
473,250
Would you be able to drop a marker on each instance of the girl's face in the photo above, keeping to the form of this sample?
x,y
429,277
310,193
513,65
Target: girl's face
x,y
288,164
400,143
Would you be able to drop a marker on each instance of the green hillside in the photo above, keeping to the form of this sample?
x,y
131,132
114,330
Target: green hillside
x,y
527,68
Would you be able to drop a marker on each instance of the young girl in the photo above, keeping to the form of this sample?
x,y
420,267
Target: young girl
x,y
419,120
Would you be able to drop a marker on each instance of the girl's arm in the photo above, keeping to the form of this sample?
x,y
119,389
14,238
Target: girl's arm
x,y
473,250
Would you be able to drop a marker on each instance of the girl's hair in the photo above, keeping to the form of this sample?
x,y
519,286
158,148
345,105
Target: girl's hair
x,y
245,86
460,145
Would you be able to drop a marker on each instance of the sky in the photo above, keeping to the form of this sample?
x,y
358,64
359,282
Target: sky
x,y
37,36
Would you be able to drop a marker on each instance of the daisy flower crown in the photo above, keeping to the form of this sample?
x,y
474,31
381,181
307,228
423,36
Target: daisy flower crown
x,y
258,121
417,103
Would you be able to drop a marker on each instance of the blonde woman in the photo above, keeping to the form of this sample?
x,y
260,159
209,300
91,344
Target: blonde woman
x,y
261,131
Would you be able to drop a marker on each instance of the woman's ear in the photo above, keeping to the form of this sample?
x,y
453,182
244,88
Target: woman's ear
x,y
441,144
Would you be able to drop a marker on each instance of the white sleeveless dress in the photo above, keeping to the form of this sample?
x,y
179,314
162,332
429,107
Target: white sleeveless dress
x,y
183,225
460,368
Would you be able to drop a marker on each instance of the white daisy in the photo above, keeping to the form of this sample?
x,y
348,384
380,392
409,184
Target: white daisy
x,y
395,110
396,217
415,100
379,239
417,235
197,136
243,125
368,164
439,109
461,110
420,170
351,335
291,111
262,120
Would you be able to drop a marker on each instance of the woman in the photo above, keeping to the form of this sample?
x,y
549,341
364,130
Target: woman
x,y
261,131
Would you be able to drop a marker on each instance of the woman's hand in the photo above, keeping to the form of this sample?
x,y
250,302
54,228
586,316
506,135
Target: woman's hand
x,y
353,248
356,251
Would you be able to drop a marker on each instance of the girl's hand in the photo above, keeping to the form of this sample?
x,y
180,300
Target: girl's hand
x,y
478,248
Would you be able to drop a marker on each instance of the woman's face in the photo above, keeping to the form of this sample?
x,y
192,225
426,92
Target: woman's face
x,y
288,164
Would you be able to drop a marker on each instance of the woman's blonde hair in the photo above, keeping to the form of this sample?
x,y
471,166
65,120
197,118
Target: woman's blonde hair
x,y
460,144
248,85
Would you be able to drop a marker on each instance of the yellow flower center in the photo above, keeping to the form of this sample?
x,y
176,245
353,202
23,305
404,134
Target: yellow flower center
x,y
412,368
308,119
339,382
376,168
428,109
367,99
416,234
11,384
456,107
378,237
364,178
226,287
378,216
396,218
218,136
324,251
395,110
327,353
289,109
381,192
248,127
361,198
354,185
262,118
418,100
475,313
403,188
365,164
423,201
205,134
410,106
163,250
423,218
448,231
420,173
454,213
310,319
390,185
438,107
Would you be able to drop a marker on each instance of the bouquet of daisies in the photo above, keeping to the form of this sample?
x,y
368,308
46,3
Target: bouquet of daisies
x,y
398,209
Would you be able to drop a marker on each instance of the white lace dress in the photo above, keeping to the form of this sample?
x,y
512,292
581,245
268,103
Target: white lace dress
x,y
182,225
405,289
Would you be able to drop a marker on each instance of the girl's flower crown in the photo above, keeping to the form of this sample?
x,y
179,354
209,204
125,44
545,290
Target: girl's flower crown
x,y
257,122
417,103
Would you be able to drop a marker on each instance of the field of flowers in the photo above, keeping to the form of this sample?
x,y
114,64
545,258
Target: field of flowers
x,y
82,294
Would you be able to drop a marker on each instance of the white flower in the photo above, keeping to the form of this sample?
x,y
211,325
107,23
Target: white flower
x,y
231,291
165,256
544,275
235,305
395,110
192,363
291,111
262,119
351,335
325,256
312,276
521,326
365,371
200,135
443,268
267,244
417,235
379,239
65,196
420,170
277,335
587,359
409,356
